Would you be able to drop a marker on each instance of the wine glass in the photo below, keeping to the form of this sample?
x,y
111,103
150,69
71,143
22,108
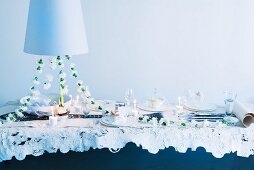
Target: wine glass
x,y
128,96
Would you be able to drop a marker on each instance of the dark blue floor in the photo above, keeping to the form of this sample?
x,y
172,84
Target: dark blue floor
x,y
130,157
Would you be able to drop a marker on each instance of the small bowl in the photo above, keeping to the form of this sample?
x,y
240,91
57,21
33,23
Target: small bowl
x,y
155,102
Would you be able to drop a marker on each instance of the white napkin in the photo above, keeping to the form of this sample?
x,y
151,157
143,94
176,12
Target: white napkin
x,y
244,112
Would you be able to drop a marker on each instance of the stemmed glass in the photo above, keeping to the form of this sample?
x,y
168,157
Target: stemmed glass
x,y
129,96
131,102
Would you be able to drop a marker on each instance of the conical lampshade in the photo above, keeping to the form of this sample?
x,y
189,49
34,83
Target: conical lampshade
x,y
55,27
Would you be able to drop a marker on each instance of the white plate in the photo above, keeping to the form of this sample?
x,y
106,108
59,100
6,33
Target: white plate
x,y
145,107
201,107
108,121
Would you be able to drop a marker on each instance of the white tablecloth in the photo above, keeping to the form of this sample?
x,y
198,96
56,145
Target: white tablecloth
x,y
21,141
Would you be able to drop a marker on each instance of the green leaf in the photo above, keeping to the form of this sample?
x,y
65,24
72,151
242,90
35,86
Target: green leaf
x,y
100,108
224,122
92,102
75,75
40,61
67,57
164,123
171,122
58,57
183,124
140,118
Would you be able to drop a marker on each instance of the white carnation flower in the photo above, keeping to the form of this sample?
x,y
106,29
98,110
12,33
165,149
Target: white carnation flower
x,y
25,100
35,92
79,90
87,92
79,83
62,75
11,118
145,118
62,82
72,65
163,122
60,65
53,60
49,77
19,113
53,66
46,86
36,82
74,73
24,108
8,119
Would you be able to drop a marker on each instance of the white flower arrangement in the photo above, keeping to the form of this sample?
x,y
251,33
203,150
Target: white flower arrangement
x,y
54,63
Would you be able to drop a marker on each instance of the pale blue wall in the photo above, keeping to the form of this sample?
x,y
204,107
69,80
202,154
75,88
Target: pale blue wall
x,y
173,45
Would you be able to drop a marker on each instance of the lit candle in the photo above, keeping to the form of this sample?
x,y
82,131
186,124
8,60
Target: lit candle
x,y
77,99
52,111
179,106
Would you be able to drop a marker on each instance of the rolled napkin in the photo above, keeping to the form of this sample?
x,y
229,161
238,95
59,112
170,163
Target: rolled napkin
x,y
244,112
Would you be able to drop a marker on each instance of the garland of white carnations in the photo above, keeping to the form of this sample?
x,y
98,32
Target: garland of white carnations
x,y
83,89
55,62
164,122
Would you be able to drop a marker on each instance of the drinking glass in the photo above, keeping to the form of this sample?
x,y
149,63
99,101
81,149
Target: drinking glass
x,y
229,100
128,96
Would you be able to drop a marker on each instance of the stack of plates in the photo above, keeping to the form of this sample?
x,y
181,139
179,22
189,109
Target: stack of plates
x,y
200,107
109,121
144,106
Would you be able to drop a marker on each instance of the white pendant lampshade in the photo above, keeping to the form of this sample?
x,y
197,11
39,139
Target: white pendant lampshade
x,y
55,27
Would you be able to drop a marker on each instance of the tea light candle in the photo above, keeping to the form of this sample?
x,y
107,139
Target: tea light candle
x,y
154,121
52,120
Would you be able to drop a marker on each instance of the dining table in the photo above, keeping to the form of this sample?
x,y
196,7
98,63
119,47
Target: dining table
x,y
79,134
